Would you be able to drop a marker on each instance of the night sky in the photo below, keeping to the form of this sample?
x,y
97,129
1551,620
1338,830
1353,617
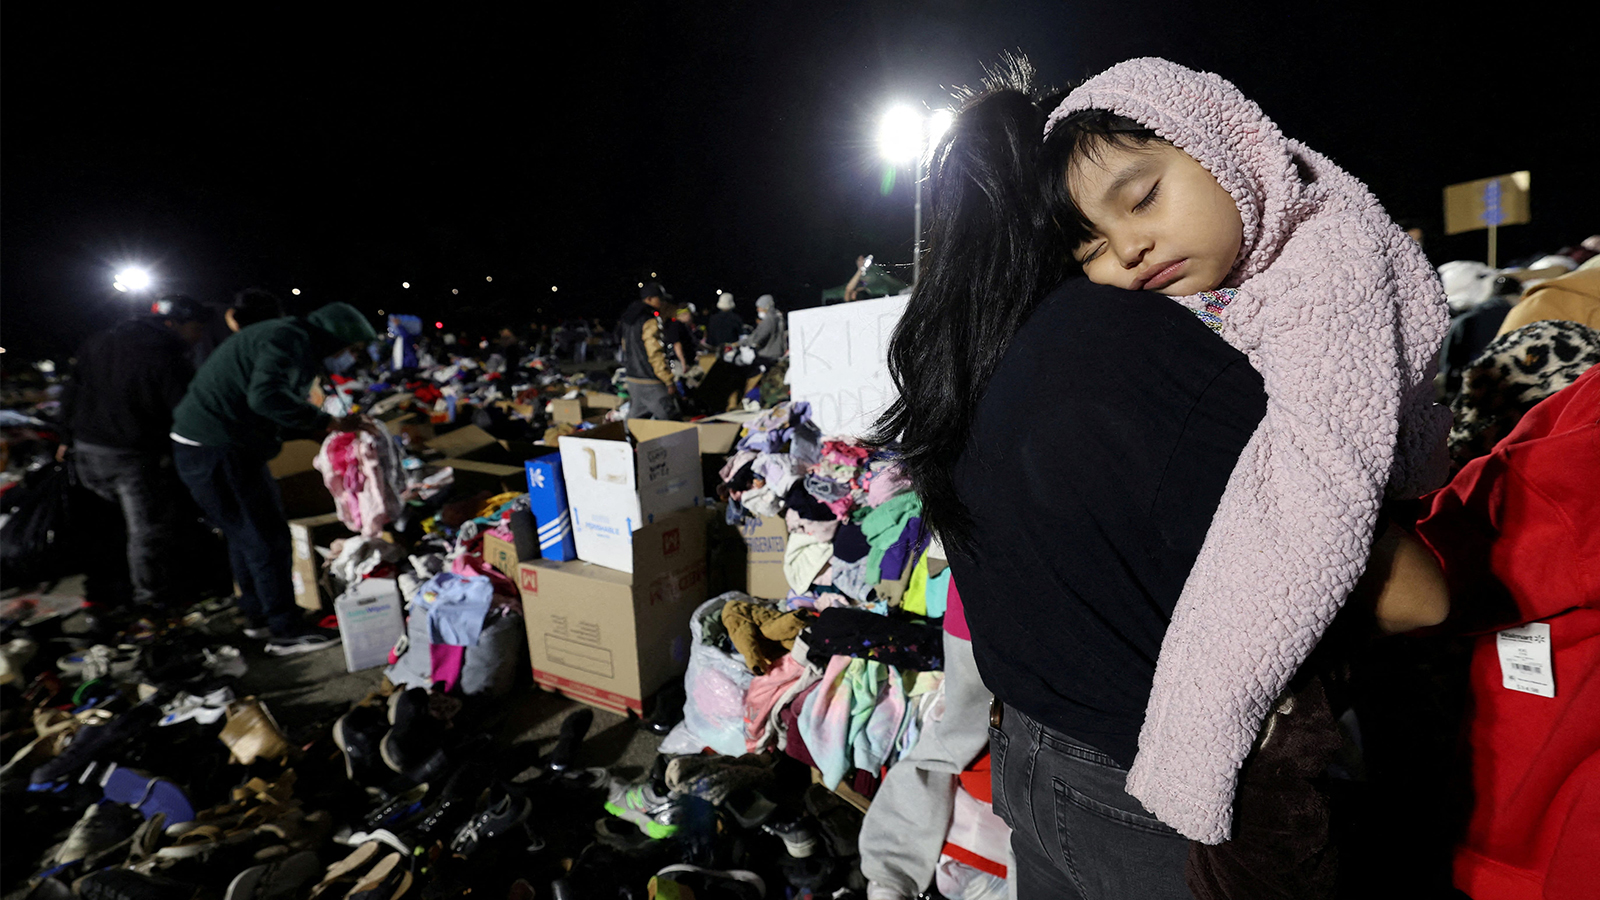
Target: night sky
x,y
723,146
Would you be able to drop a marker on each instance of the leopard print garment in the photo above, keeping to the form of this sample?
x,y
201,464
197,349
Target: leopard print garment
x,y
1513,373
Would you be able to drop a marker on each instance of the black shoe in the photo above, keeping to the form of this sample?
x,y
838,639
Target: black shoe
x,y
573,730
668,711
456,801
506,812
358,734
414,735
307,641
840,822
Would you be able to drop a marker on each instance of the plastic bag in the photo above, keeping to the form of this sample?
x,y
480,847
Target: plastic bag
x,y
714,685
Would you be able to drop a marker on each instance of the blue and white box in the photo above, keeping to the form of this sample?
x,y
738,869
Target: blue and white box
x,y
547,496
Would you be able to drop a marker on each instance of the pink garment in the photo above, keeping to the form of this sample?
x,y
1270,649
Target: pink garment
x,y
1343,317
886,483
761,698
472,563
955,615
446,660
353,466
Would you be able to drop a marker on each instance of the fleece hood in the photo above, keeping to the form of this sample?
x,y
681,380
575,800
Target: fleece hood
x,y
344,322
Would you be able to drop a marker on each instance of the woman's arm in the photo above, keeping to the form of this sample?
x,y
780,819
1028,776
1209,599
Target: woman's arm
x,y
1403,583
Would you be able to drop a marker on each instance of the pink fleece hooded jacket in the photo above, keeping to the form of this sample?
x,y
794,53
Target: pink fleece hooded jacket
x,y
1342,315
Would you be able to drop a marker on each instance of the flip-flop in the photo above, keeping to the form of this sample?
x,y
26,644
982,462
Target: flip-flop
x,y
347,870
387,880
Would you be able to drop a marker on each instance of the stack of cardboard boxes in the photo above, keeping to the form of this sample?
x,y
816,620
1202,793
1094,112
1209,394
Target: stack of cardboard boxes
x,y
612,626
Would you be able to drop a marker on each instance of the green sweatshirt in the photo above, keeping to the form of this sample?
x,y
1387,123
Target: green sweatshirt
x,y
254,388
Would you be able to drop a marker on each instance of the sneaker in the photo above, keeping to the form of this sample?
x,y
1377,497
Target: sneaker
x,y
456,800
658,815
307,641
225,661
732,883
103,825
207,709
257,632
798,838
502,815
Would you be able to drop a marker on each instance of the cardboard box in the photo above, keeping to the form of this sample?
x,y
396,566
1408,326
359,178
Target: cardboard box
x,y
299,484
569,412
370,622
765,541
500,551
472,476
547,496
466,442
609,638
601,400
614,488
305,571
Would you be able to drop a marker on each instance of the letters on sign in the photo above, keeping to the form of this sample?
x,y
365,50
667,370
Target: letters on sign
x,y
529,580
838,362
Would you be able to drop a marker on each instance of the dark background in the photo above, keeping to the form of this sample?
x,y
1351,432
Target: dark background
x,y
724,146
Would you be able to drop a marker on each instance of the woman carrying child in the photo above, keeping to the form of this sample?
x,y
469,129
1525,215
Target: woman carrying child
x,y
1156,507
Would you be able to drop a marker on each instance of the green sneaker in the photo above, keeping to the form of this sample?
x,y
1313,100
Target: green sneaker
x,y
656,815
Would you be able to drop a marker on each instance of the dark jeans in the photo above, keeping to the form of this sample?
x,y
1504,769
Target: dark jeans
x,y
141,484
238,495
1076,833
651,400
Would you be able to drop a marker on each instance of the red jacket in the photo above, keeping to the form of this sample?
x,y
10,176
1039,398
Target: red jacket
x,y
1527,518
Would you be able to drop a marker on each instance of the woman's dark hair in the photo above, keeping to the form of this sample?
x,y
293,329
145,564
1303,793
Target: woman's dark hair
x,y
1001,235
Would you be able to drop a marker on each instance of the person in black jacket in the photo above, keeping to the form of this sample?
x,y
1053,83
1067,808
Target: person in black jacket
x,y
725,327
117,407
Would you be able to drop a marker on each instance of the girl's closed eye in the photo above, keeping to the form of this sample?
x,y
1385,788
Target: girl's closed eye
x,y
1148,198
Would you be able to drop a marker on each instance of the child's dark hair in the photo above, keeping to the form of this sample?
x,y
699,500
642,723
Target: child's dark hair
x,y
1083,136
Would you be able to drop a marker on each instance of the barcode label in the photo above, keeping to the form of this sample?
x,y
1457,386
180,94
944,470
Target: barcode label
x,y
1525,659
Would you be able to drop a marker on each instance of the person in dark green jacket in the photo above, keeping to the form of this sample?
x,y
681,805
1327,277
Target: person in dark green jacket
x,y
247,397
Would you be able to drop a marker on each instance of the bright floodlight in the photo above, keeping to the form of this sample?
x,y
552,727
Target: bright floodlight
x,y
132,279
900,134
938,124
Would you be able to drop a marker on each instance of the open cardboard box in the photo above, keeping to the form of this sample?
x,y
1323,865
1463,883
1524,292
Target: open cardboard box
x,y
623,476
305,565
610,638
299,484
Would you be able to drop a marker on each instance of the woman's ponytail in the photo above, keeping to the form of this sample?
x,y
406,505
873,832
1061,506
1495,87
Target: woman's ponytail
x,y
993,250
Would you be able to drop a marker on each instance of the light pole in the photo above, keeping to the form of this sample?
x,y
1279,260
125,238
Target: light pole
x,y
904,134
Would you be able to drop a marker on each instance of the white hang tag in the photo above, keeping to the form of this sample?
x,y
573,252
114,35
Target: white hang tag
x,y
1525,659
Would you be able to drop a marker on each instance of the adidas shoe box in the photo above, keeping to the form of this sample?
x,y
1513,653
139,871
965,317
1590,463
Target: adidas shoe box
x,y
547,495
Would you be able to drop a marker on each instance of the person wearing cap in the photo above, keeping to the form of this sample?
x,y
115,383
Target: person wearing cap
x,y
770,340
725,326
651,385
117,407
250,394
